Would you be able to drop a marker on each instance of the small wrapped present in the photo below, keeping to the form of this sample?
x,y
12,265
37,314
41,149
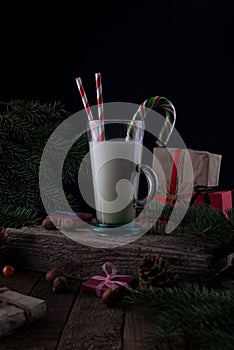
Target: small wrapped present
x,y
98,284
214,196
17,309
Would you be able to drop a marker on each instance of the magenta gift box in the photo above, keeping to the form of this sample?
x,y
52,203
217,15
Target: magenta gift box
x,y
90,286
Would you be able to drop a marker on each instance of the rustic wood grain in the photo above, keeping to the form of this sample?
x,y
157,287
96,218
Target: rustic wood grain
x,y
22,281
44,334
41,249
136,328
92,325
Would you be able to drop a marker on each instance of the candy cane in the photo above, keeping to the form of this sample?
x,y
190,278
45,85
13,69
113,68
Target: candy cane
x,y
152,103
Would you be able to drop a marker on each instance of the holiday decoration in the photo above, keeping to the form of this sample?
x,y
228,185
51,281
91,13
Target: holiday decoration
x,y
179,170
18,309
111,296
210,226
156,102
218,199
25,127
52,274
60,284
8,271
188,316
98,284
155,271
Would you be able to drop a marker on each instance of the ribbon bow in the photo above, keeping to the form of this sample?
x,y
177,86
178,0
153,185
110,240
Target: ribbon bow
x,y
107,280
207,189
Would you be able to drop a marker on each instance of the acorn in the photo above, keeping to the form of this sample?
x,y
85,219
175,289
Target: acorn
x,y
48,224
111,296
60,284
52,274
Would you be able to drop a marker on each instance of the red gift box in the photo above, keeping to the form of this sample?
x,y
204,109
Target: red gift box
x,y
98,284
221,200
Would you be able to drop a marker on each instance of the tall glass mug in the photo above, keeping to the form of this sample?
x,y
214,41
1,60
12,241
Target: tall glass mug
x,y
116,148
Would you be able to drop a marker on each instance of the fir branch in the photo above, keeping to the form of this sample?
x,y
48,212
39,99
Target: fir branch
x,y
204,224
15,216
230,214
189,315
25,127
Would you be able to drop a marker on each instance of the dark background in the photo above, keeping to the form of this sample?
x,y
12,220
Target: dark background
x,y
181,51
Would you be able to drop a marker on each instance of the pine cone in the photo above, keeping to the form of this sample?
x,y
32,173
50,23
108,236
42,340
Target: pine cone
x,y
4,246
155,271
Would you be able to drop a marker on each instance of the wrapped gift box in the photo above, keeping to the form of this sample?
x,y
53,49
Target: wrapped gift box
x,y
180,170
96,285
221,200
17,309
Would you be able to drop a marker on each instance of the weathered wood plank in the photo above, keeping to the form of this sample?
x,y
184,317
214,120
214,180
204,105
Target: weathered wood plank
x,y
44,334
136,328
92,325
41,249
22,281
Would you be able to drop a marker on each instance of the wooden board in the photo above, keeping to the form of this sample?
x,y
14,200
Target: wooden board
x,y
92,325
22,282
40,249
136,329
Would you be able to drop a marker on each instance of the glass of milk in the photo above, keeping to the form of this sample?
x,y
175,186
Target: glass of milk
x,y
116,152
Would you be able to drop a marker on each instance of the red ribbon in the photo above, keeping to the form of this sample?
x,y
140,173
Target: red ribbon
x,y
107,280
174,171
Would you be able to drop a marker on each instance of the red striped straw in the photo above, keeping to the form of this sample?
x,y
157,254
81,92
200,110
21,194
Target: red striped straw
x,y
86,105
101,136
84,99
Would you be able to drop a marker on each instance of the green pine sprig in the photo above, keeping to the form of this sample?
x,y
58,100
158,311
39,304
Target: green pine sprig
x,y
25,127
190,316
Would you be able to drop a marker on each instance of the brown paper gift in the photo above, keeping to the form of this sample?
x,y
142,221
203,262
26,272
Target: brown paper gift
x,y
17,309
179,170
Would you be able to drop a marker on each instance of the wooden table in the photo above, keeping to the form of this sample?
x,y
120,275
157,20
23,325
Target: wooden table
x,y
74,320
79,321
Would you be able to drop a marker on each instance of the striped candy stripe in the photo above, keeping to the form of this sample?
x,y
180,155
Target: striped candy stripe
x,y
84,99
151,103
101,135
86,105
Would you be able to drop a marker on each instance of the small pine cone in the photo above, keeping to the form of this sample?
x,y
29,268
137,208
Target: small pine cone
x,y
48,224
155,271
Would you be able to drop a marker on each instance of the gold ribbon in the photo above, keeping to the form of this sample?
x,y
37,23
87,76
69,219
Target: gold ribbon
x,y
16,303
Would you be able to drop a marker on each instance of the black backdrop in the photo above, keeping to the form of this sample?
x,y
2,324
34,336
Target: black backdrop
x,y
181,51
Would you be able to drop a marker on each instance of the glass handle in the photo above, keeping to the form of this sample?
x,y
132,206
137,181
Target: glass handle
x,y
152,181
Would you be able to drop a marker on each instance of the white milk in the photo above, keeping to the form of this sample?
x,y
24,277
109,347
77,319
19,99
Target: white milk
x,y
114,173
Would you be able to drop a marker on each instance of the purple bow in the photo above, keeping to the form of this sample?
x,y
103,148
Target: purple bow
x,y
107,280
